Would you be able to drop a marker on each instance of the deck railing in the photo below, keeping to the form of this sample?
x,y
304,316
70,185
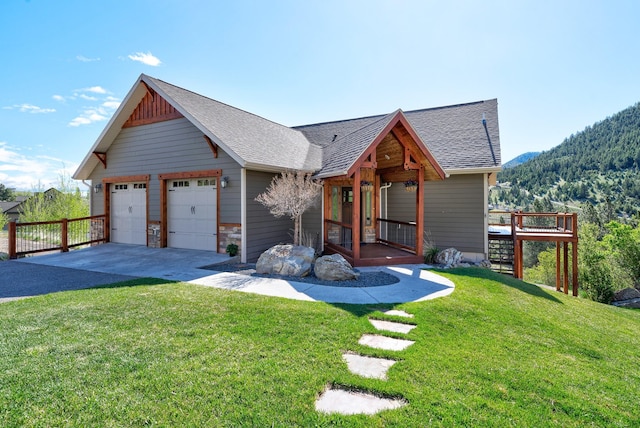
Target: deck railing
x,y
400,234
37,237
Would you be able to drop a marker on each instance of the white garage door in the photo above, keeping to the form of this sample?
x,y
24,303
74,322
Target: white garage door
x,y
192,214
129,213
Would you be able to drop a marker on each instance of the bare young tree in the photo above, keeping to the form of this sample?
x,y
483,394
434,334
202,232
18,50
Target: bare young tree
x,y
291,194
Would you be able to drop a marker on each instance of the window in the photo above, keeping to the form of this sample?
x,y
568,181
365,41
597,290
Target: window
x,y
207,182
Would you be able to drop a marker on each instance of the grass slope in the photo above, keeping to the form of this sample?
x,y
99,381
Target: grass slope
x,y
497,352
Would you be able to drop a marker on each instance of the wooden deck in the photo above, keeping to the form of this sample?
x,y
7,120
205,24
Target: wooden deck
x,y
561,228
379,255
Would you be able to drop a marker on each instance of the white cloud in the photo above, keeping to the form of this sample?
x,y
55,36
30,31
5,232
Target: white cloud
x,y
30,108
111,104
26,173
145,58
88,97
95,90
93,113
59,98
83,58
89,116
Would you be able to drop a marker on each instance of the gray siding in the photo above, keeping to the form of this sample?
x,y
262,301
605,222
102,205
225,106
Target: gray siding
x,y
312,222
165,147
263,229
401,205
454,212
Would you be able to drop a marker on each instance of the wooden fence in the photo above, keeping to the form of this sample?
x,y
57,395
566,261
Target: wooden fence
x,y
58,235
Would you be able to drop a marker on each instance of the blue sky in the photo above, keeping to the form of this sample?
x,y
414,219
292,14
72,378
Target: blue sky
x,y
554,66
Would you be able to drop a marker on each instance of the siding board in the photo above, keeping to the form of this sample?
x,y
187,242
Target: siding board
x,y
263,229
164,147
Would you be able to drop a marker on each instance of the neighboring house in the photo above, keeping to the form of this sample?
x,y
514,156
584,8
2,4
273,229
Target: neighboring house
x,y
13,209
174,168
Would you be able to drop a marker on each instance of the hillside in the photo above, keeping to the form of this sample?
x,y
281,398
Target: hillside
x,y
518,160
599,165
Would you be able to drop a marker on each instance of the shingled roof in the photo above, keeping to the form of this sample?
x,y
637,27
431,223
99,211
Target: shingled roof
x,y
461,138
456,135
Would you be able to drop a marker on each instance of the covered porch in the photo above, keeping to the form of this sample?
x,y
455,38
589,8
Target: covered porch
x,y
360,221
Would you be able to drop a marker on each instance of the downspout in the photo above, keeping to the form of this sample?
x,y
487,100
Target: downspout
x,y
386,199
385,187
243,215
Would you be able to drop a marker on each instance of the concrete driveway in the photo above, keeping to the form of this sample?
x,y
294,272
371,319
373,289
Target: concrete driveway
x,y
100,265
109,263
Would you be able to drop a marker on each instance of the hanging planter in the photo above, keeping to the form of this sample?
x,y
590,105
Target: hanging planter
x,y
411,185
366,186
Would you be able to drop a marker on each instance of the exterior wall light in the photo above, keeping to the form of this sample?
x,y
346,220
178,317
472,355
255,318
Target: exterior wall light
x,y
224,182
97,188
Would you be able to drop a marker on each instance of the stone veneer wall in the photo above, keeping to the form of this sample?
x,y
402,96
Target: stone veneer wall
x,y
154,234
229,233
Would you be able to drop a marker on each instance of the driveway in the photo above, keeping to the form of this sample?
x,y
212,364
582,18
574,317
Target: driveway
x,y
109,263
99,265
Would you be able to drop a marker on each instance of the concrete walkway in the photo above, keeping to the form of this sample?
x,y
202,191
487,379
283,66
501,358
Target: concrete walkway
x,y
127,261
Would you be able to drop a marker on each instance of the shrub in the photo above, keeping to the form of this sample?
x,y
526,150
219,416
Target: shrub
x,y
596,277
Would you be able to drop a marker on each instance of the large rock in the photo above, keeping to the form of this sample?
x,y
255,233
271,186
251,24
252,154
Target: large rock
x,y
334,268
626,294
290,260
449,257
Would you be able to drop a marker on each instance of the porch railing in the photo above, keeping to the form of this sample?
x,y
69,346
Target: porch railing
x,y
340,234
397,233
37,237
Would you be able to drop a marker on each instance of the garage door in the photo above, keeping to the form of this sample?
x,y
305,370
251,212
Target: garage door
x,y
129,213
192,214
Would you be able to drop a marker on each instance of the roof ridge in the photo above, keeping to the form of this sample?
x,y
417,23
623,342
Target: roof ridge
x,y
403,111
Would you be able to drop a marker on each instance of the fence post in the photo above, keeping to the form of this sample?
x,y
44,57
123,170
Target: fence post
x,y
12,240
65,235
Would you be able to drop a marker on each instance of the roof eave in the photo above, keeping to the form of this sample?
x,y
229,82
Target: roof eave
x,y
480,170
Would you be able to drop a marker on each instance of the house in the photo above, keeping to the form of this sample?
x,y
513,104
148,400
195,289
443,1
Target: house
x,y
175,168
13,209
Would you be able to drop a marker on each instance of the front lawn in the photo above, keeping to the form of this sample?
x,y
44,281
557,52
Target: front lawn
x,y
497,352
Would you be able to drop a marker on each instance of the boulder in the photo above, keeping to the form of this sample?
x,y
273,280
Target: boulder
x,y
449,257
626,294
289,260
334,268
484,264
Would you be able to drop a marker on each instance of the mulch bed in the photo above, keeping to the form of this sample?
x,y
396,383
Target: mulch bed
x,y
366,279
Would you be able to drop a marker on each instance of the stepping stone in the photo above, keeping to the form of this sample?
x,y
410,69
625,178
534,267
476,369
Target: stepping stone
x,y
398,313
396,327
383,342
370,367
354,403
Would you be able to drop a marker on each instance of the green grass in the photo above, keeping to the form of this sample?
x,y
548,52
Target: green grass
x,y
497,352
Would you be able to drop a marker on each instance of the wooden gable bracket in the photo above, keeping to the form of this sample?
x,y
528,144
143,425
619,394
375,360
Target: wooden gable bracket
x,y
213,146
369,162
150,90
409,161
103,158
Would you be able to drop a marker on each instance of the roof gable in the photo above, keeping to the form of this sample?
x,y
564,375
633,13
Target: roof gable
x,y
347,153
252,141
